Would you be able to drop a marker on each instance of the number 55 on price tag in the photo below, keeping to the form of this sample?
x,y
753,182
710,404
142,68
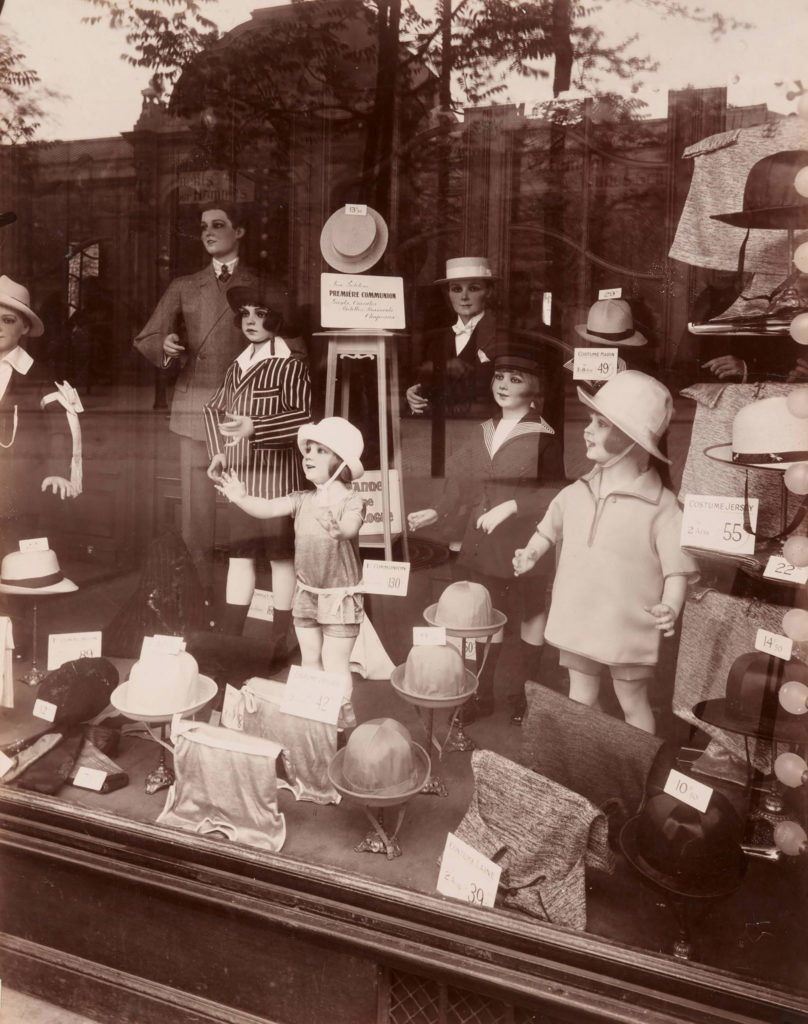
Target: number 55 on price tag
x,y
385,577
467,875
717,524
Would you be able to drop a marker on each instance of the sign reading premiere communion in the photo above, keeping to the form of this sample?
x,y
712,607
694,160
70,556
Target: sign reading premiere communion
x,y
360,301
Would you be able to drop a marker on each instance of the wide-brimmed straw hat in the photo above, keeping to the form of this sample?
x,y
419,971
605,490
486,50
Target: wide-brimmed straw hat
x,y
766,435
379,764
610,322
33,573
353,242
467,268
637,404
16,296
340,436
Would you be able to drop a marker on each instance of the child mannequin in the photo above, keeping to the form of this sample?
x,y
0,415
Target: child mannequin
x,y
622,574
504,466
251,424
327,607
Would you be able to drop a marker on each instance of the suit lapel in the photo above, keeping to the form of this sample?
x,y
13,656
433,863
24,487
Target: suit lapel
x,y
213,301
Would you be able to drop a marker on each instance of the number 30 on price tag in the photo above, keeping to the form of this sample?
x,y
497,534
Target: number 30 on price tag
x,y
385,577
467,875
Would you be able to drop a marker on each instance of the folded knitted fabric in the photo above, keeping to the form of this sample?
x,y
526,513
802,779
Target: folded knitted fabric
x,y
540,833
585,750
51,771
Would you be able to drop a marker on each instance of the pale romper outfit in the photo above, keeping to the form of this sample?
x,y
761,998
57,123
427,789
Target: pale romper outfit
x,y
616,553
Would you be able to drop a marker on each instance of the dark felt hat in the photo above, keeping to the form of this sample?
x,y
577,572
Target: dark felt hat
x,y
770,199
684,850
751,704
79,689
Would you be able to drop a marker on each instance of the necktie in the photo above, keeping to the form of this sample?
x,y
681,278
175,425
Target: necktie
x,y
224,274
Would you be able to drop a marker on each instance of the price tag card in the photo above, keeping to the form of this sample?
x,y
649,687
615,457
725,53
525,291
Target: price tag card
x,y
64,647
610,293
310,693
773,643
6,764
90,778
261,606
777,568
715,523
688,790
161,644
546,308
385,577
466,874
35,544
45,710
428,636
356,209
594,363
470,648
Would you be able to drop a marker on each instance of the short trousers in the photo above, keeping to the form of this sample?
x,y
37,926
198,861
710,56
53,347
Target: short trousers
x,y
341,629
623,673
260,538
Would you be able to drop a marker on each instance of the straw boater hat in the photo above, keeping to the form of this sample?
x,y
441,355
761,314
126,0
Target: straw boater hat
x,y
379,764
638,405
33,573
467,268
766,435
352,243
434,676
465,609
340,436
16,297
610,322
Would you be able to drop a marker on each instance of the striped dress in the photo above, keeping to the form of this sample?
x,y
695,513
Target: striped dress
x,y
275,392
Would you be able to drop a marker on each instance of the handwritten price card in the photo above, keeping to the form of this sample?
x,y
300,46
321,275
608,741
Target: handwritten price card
x,y
385,577
45,710
161,644
715,523
310,693
610,293
696,794
777,568
428,636
64,647
90,778
773,643
594,363
467,875
261,606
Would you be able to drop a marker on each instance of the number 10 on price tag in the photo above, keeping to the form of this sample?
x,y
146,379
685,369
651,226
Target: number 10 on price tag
x,y
385,577
467,875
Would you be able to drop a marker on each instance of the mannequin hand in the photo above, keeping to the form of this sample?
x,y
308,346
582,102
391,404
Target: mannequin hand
x,y
230,486
236,427
172,347
218,464
417,520
724,367
665,618
523,560
59,485
329,523
416,400
800,371
494,517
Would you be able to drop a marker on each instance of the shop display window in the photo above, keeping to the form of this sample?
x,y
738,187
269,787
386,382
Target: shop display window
x,y
404,471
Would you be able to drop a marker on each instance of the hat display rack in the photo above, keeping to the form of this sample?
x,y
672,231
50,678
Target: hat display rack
x,y
32,573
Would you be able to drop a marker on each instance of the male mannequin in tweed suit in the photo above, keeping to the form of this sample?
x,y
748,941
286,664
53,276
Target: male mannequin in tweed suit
x,y
193,325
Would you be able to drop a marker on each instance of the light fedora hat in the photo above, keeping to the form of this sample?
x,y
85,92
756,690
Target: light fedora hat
x,y
353,242
342,437
33,572
467,268
16,297
610,322
637,404
765,435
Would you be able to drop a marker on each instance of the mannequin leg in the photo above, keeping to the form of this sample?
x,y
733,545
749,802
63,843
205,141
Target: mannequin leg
x,y
310,639
337,658
485,689
531,648
583,687
283,588
633,697
238,594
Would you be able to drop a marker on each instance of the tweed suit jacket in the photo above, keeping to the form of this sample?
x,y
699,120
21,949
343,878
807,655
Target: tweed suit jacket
x,y
195,307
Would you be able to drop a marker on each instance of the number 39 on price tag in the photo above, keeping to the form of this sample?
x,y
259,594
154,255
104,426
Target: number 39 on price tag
x,y
385,577
467,875
717,523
